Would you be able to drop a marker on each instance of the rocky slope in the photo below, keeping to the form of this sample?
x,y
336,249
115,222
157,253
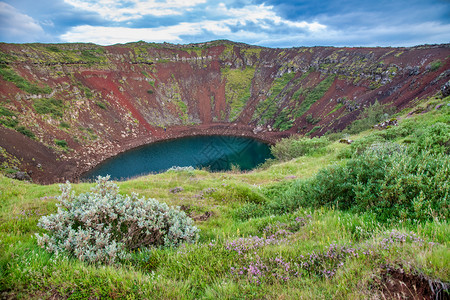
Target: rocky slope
x,y
66,107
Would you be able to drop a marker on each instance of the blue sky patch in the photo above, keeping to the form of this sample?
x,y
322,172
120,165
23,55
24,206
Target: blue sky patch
x,y
272,23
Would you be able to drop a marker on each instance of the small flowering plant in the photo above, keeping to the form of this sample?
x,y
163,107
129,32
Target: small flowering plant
x,y
102,226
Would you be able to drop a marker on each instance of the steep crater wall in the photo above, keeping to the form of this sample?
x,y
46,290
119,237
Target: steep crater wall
x,y
66,107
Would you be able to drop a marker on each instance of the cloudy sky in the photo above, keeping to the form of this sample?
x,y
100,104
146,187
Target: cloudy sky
x,y
272,23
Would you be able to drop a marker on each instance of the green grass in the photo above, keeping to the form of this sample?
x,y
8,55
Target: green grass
x,y
52,106
100,104
8,118
25,131
339,105
61,143
435,65
64,125
237,89
266,110
314,95
238,203
8,74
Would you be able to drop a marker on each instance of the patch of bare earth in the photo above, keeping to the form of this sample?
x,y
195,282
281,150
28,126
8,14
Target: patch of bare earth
x,y
397,284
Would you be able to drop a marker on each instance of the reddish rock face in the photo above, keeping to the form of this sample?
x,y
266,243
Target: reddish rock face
x,y
83,103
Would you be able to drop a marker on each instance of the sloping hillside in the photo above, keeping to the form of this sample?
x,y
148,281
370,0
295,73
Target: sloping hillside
x,y
66,107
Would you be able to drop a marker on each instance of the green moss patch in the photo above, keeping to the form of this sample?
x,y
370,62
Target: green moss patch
x,y
237,89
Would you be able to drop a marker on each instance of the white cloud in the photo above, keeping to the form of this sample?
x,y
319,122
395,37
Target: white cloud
x,y
394,36
18,27
264,16
261,16
112,35
119,10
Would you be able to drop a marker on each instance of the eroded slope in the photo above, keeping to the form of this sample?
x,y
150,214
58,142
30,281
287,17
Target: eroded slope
x,y
66,107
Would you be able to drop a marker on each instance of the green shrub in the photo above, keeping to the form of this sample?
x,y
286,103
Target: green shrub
x,y
267,109
238,193
435,138
435,65
315,95
289,201
396,132
370,116
103,226
23,84
314,129
9,123
334,136
100,104
293,147
92,55
8,118
311,120
248,211
6,112
61,143
362,144
283,121
51,106
53,48
25,131
64,125
389,180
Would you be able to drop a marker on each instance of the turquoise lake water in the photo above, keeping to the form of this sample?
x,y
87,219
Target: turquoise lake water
x,y
217,153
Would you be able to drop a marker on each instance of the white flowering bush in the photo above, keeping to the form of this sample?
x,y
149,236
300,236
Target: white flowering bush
x,y
181,169
102,226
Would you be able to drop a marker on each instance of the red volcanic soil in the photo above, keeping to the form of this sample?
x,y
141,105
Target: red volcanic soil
x,y
39,161
106,85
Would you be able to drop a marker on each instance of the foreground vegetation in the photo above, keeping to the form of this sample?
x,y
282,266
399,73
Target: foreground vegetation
x,y
336,222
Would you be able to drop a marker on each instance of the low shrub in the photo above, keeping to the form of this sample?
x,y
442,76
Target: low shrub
x,y
249,210
9,74
9,122
51,106
434,66
293,147
389,180
61,143
435,138
362,144
8,118
238,193
101,105
311,120
25,131
181,169
370,116
396,132
103,226
64,125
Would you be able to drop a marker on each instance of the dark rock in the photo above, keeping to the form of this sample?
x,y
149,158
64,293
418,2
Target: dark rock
x,y
445,89
204,217
185,208
176,189
20,176
411,71
386,124
346,141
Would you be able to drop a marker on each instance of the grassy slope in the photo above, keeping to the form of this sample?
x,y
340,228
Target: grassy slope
x,y
204,270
